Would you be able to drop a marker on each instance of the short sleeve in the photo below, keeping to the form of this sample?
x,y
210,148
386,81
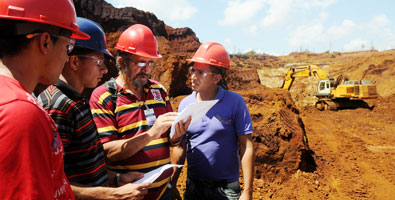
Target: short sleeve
x,y
243,124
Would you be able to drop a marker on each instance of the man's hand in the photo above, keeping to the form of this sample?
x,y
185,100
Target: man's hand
x,y
181,129
162,124
132,191
129,177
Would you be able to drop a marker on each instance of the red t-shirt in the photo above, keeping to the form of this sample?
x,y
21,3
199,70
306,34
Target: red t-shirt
x,y
31,152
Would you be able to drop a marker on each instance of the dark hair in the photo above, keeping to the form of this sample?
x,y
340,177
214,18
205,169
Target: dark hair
x,y
127,57
81,51
11,44
222,72
13,35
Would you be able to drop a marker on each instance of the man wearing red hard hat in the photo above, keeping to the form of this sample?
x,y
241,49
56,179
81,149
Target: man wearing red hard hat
x,y
220,143
135,111
34,41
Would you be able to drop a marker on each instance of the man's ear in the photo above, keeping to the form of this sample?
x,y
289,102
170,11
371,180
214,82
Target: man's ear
x,y
45,42
122,62
74,62
217,78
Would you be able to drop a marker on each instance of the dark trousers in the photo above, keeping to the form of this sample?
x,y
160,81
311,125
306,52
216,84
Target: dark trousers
x,y
211,190
166,195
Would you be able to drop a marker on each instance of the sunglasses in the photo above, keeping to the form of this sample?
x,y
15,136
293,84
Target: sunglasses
x,y
98,60
200,73
70,41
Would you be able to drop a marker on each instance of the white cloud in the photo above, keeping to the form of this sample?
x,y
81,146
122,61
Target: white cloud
x,y
347,28
377,24
253,29
381,32
357,44
176,10
323,15
308,4
279,13
304,36
380,21
284,12
239,13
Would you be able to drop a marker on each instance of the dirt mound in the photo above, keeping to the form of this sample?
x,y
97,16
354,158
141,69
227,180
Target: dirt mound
x,y
279,136
182,39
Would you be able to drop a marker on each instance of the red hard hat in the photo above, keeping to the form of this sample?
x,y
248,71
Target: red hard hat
x,y
139,40
212,53
60,13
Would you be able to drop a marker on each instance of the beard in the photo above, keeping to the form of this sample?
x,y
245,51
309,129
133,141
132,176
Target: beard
x,y
138,83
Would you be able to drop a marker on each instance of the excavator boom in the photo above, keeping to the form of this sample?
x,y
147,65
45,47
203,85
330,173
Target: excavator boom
x,y
302,71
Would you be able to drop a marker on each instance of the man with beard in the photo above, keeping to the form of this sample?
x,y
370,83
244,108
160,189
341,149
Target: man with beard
x,y
135,112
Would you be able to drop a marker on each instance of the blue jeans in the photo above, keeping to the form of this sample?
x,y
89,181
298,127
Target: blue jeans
x,y
214,190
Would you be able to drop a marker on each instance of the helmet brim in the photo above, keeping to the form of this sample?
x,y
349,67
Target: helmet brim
x,y
76,34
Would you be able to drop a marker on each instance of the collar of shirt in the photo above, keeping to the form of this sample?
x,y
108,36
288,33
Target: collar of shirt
x,y
69,91
219,95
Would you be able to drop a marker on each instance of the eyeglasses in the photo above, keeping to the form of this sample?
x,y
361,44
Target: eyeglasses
x,y
199,72
98,60
71,42
144,63
69,46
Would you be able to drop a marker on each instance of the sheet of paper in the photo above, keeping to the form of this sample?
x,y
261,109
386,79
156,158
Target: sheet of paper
x,y
196,110
151,176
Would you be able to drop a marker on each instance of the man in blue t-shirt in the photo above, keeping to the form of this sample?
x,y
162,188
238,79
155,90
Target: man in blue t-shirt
x,y
216,144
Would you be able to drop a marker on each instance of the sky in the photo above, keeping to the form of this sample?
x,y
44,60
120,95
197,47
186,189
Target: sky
x,y
279,27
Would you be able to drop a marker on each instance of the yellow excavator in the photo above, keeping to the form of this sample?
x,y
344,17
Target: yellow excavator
x,y
333,94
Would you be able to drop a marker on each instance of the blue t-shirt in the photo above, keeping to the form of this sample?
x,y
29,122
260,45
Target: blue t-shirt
x,y
212,143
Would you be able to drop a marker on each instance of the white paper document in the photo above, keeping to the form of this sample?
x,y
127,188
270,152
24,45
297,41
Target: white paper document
x,y
154,174
196,110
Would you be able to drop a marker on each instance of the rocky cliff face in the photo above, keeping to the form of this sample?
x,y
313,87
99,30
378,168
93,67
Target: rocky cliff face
x,y
118,19
182,39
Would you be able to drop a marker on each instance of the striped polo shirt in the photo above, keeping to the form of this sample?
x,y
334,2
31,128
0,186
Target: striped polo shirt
x,y
126,119
84,157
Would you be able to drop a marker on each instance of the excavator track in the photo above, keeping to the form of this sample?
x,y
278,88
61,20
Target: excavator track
x,y
326,104
336,104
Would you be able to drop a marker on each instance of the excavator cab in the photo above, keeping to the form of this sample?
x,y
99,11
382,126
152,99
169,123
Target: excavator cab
x,y
325,87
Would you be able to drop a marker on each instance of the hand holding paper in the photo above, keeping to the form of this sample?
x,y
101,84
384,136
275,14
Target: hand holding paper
x,y
196,110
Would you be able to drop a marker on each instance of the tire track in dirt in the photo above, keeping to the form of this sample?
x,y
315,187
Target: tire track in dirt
x,y
341,140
